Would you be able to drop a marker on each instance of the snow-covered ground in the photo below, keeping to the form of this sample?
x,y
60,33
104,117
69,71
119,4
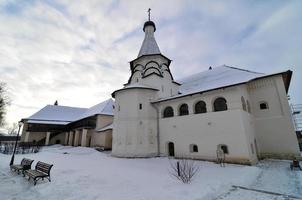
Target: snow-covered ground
x,y
84,173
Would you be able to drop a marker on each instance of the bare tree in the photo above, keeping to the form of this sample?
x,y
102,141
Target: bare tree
x,y
184,170
4,101
12,129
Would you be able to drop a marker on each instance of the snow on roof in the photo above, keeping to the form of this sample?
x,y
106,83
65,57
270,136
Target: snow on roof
x,y
58,113
134,86
105,107
214,78
48,122
110,126
138,85
52,114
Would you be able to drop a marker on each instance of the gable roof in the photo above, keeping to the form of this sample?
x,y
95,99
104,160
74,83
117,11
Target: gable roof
x,y
216,78
63,115
52,114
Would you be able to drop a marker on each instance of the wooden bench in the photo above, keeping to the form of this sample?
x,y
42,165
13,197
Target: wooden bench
x,y
41,171
295,164
25,165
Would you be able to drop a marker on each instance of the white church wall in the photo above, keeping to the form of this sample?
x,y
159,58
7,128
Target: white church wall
x,y
165,85
273,126
134,129
248,122
207,130
146,59
148,71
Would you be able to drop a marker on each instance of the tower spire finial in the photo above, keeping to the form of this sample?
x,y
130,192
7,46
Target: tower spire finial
x,y
149,11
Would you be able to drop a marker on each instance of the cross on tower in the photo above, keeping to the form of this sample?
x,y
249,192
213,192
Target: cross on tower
x,y
149,10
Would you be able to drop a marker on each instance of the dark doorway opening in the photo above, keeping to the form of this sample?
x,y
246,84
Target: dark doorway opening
x,y
171,149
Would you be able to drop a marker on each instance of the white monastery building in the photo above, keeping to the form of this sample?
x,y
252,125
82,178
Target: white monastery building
x,y
72,126
244,113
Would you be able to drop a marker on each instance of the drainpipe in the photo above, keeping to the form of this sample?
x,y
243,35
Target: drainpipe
x,y
157,127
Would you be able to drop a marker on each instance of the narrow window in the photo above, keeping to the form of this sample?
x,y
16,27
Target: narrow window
x,y
248,106
193,148
183,110
263,106
243,103
119,108
168,112
200,107
140,106
220,104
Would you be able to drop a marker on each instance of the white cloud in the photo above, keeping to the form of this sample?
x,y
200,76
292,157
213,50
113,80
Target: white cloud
x,y
78,51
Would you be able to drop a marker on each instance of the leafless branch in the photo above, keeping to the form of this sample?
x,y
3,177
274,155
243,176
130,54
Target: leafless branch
x,y
184,170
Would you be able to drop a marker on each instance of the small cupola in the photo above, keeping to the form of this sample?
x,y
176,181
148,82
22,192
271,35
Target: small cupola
x,y
151,24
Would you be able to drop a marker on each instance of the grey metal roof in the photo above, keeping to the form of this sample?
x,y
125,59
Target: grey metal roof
x,y
149,45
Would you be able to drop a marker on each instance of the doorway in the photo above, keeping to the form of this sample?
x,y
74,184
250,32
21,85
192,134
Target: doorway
x,y
171,149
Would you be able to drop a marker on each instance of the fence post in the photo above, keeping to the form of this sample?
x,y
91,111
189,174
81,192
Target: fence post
x,y
178,170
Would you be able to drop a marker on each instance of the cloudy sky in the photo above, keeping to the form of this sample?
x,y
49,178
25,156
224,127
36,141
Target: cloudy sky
x,y
77,52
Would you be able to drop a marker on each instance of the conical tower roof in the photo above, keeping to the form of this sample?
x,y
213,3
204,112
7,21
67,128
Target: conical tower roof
x,y
149,45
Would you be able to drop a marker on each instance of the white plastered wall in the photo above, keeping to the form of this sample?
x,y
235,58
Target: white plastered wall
x,y
233,127
274,127
134,130
102,139
164,84
103,120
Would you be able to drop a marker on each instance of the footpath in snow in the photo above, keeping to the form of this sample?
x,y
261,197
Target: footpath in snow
x,y
83,173
275,181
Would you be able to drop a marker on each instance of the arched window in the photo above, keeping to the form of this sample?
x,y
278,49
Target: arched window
x,y
168,112
243,103
183,110
200,107
263,105
220,104
193,148
248,106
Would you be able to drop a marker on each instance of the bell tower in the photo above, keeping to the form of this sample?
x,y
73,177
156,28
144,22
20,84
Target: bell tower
x,y
151,67
135,132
